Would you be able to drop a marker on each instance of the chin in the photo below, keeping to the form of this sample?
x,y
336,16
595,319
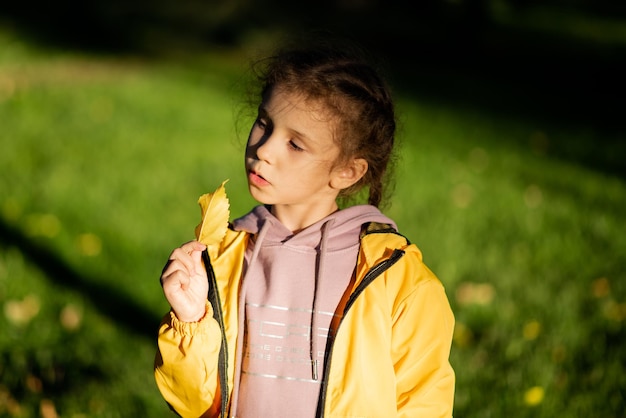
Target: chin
x,y
258,196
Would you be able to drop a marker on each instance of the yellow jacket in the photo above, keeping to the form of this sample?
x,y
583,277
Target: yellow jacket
x,y
389,357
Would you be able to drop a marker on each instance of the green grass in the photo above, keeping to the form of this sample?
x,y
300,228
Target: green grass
x,y
103,159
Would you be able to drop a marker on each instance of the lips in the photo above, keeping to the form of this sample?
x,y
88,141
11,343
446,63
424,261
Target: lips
x,y
256,179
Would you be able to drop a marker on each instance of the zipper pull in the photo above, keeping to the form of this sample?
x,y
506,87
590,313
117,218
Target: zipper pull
x,y
314,363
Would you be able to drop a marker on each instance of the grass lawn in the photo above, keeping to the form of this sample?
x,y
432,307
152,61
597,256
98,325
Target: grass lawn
x,y
102,162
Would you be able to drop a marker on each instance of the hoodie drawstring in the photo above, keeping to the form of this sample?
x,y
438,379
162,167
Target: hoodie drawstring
x,y
319,272
242,297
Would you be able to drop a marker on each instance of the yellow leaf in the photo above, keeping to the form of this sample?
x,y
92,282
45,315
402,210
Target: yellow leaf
x,y
215,213
534,396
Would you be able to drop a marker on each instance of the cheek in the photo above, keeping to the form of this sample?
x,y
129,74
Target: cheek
x,y
253,137
253,140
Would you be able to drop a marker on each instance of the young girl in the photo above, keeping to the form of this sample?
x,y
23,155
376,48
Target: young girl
x,y
312,311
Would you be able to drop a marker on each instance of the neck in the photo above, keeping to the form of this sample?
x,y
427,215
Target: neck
x,y
296,217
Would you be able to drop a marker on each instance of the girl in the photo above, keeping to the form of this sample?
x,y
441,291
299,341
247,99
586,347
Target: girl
x,y
312,311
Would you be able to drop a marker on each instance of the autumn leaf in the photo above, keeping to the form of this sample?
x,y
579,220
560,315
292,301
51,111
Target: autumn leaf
x,y
215,214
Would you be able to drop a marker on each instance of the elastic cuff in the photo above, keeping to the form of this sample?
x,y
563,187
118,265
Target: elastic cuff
x,y
190,328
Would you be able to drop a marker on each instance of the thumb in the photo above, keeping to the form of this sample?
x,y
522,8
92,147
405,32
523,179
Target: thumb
x,y
198,264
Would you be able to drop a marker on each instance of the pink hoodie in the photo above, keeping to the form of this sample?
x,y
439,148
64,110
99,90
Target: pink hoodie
x,y
289,295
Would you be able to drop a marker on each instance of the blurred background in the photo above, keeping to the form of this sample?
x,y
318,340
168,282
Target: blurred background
x,y
116,116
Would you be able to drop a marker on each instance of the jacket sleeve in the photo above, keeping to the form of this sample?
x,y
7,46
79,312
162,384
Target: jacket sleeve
x,y
423,328
186,365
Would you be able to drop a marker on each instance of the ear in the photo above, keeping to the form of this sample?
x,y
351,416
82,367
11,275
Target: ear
x,y
346,175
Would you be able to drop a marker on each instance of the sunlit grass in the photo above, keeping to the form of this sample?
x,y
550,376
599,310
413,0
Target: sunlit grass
x,y
103,159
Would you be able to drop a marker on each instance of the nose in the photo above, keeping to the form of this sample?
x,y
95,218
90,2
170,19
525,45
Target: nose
x,y
262,148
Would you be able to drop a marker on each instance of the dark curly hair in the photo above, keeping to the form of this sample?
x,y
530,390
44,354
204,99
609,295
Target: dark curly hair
x,y
339,75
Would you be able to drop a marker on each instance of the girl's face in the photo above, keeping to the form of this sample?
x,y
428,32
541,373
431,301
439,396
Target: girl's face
x,y
290,156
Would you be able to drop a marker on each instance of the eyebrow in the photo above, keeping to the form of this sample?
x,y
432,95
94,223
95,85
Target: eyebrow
x,y
263,113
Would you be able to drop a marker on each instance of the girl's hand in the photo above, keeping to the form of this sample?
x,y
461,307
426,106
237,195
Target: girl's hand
x,y
184,282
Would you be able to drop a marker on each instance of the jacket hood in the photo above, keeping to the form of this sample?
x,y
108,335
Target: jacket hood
x,y
336,226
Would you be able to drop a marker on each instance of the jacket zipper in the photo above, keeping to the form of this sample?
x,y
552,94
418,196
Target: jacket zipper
x,y
214,298
369,277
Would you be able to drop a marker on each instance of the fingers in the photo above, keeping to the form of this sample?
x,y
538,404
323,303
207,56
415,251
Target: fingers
x,y
185,259
193,246
184,281
176,280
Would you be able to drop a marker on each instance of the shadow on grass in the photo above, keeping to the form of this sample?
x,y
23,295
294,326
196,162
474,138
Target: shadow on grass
x,y
118,306
553,84
69,372
449,53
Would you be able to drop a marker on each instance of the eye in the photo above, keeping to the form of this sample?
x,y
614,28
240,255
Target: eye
x,y
260,123
265,126
295,146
